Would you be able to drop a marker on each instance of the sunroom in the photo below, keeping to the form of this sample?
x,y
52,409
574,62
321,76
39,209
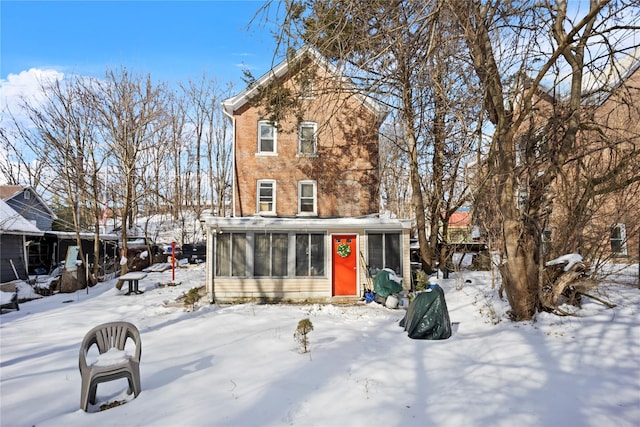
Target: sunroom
x,y
301,259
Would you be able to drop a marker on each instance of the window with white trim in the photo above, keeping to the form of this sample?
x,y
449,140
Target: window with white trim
x,y
266,197
618,240
307,198
266,137
306,89
307,138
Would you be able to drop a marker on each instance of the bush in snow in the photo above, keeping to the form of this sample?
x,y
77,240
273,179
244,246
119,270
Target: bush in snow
x,y
300,335
192,297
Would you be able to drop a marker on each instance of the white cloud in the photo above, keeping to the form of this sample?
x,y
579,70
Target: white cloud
x,y
25,85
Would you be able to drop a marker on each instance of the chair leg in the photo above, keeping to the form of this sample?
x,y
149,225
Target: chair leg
x,y
84,396
92,392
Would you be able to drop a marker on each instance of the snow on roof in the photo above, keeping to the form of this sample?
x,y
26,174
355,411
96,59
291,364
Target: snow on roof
x,y
83,235
8,192
271,223
11,222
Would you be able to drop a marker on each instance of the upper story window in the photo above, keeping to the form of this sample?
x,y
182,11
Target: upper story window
x,y
306,89
266,197
307,138
266,137
307,198
618,240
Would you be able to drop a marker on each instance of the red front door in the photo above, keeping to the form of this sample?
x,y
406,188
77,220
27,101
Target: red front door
x,y
345,266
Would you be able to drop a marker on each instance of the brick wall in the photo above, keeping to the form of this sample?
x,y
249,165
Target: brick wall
x,y
345,167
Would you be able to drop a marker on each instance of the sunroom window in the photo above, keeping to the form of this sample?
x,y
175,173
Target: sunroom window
x,y
231,256
309,254
384,251
270,254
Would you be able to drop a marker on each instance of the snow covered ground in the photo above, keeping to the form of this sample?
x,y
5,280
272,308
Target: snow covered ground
x,y
240,366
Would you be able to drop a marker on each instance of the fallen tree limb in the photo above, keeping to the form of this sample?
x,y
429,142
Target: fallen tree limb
x,y
607,303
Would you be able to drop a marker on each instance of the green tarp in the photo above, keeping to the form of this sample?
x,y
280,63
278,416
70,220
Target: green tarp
x,y
384,286
427,317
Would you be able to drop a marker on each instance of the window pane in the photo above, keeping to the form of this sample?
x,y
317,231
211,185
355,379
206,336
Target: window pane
x,y
307,139
267,137
616,233
306,132
310,255
307,197
266,131
261,255
306,205
306,190
317,255
265,195
223,254
374,247
302,254
239,261
279,254
392,253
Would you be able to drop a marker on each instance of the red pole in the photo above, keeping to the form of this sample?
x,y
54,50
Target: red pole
x,y
173,261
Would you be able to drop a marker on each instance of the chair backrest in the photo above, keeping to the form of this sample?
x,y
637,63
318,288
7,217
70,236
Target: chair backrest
x,y
111,335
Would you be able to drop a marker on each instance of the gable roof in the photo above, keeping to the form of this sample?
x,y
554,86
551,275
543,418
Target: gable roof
x,y
11,222
8,192
236,102
460,219
612,78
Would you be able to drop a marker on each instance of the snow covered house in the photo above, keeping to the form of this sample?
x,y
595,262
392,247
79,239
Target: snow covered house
x,y
304,222
15,234
29,205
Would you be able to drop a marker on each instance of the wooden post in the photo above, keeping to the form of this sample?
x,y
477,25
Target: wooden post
x,y
173,261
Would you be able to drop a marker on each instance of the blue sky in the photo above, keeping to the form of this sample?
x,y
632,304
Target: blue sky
x,y
171,40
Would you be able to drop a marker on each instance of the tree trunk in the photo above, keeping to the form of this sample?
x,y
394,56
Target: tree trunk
x,y
520,271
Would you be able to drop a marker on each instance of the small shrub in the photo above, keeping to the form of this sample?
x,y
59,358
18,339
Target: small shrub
x,y
423,280
300,335
191,298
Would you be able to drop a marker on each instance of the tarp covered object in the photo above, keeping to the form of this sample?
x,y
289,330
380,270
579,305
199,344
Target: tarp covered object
x,y
384,285
427,317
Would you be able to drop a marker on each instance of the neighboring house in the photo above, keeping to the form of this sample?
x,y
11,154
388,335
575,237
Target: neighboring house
x,y
459,228
305,223
614,225
15,235
29,204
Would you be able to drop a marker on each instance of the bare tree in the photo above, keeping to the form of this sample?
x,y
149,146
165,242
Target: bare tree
x,y
535,134
129,109
61,132
390,51
209,131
